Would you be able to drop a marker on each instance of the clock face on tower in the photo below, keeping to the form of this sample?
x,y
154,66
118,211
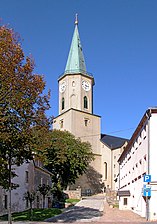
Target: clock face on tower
x,y
62,87
86,85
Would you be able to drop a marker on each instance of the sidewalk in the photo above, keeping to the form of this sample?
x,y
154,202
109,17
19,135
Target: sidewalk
x,y
93,209
114,215
87,210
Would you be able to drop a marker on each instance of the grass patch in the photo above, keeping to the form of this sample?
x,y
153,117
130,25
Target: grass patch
x,y
116,205
38,214
72,200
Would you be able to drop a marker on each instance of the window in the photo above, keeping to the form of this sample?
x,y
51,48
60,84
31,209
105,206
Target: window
x,y
144,132
38,201
5,201
26,176
63,103
86,122
125,201
61,123
85,102
73,83
105,170
27,203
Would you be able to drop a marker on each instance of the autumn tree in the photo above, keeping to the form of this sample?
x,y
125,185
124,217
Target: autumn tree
x,y
67,158
22,107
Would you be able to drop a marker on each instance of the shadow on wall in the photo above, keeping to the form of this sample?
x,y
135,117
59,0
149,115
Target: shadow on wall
x,y
90,182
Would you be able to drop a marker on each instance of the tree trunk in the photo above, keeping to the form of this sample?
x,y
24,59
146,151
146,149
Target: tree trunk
x,y
9,205
31,211
43,201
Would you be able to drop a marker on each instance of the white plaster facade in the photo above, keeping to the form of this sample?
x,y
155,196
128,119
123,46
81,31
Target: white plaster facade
x,y
29,177
138,159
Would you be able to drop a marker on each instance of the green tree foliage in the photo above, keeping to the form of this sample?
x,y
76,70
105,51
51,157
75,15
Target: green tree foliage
x,y
22,106
67,158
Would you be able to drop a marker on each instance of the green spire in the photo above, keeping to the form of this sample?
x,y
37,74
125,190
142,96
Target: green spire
x,y
75,62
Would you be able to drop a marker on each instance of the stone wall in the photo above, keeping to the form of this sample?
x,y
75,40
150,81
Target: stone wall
x,y
75,194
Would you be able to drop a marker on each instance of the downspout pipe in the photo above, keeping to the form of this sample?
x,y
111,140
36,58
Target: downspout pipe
x,y
148,114
119,178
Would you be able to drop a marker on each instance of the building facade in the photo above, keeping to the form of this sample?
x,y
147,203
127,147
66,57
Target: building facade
x,y
112,148
137,160
29,177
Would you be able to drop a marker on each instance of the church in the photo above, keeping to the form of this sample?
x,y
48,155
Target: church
x,y
76,116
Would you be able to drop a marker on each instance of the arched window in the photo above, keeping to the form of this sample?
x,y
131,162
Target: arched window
x,y
85,102
105,163
63,103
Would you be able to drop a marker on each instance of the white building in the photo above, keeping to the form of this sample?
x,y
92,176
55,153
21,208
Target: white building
x,y
29,177
138,160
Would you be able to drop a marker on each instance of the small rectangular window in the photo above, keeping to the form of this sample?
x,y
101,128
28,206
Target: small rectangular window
x,y
5,201
86,121
144,132
125,201
26,177
27,203
61,124
38,201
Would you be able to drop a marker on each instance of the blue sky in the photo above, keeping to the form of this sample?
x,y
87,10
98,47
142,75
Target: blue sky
x,y
119,40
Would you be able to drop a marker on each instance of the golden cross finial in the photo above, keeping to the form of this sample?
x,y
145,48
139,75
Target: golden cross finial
x,y
76,19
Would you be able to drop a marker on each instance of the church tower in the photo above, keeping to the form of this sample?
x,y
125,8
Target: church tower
x,y
76,101
76,85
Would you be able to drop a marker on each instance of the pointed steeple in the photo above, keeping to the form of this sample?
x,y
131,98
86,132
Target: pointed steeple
x,y
75,62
